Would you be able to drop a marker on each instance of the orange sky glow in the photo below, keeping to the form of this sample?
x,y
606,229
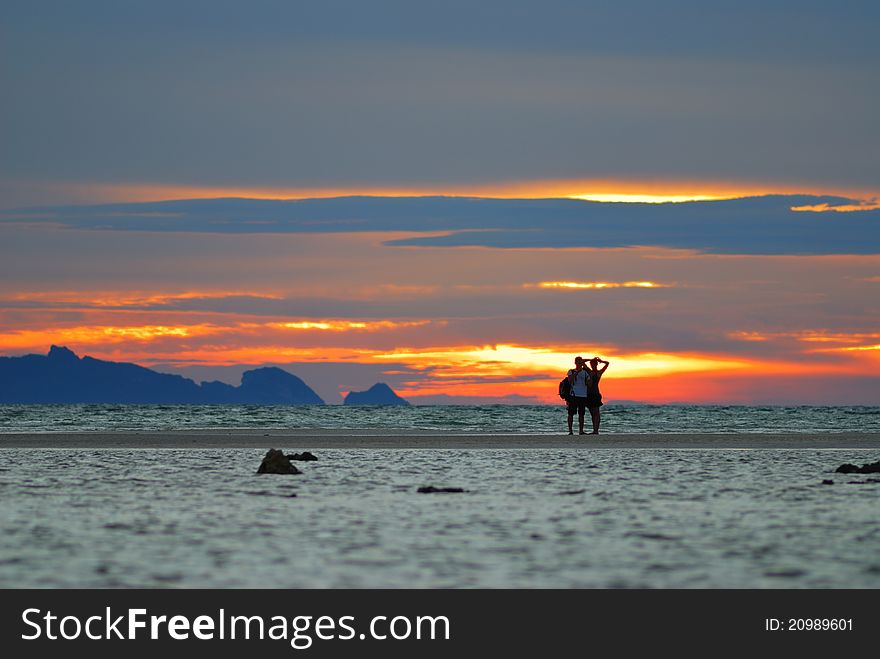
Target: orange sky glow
x,y
428,315
464,370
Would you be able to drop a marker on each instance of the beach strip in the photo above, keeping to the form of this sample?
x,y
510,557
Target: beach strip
x,y
384,439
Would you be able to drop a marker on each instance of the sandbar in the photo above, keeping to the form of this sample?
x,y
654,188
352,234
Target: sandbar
x,y
407,439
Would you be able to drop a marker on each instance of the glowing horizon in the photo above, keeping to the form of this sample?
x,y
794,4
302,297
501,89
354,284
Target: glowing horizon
x,y
521,370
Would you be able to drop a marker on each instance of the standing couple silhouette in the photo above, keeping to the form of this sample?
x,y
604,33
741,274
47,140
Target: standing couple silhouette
x,y
585,395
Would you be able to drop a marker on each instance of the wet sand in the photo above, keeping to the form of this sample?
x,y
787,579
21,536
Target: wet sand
x,y
316,439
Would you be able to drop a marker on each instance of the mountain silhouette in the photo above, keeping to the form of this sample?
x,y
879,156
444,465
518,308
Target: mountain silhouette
x,y
264,386
379,394
63,377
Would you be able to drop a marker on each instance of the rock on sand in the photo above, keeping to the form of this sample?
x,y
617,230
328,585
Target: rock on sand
x,y
275,462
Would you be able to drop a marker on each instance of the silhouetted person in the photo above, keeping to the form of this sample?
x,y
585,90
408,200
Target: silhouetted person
x,y
579,378
594,396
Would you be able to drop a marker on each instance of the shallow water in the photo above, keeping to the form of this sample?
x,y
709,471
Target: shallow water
x,y
529,419
657,518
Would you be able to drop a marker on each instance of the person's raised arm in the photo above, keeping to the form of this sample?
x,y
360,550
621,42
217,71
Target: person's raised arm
x,y
604,363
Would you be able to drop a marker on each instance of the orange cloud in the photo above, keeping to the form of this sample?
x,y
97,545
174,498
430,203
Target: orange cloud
x,y
40,338
596,285
98,335
345,325
110,299
748,336
811,336
852,348
867,205
507,360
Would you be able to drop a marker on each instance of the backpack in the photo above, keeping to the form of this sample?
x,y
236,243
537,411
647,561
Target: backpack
x,y
565,388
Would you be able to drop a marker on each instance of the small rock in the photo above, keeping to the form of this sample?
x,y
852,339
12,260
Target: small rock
x,y
871,468
275,462
305,456
430,489
827,482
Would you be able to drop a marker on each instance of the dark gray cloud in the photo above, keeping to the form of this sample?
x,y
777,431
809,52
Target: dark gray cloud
x,y
753,225
790,28
371,93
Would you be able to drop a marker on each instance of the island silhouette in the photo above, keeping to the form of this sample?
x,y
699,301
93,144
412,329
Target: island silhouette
x,y
63,377
379,394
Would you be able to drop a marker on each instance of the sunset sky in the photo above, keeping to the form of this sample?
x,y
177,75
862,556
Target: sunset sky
x,y
455,198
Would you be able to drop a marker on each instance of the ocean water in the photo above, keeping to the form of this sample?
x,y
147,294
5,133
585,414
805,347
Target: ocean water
x,y
606,518
531,419
529,518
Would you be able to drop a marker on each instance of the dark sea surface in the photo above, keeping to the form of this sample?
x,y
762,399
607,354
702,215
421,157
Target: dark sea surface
x,y
530,419
528,518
